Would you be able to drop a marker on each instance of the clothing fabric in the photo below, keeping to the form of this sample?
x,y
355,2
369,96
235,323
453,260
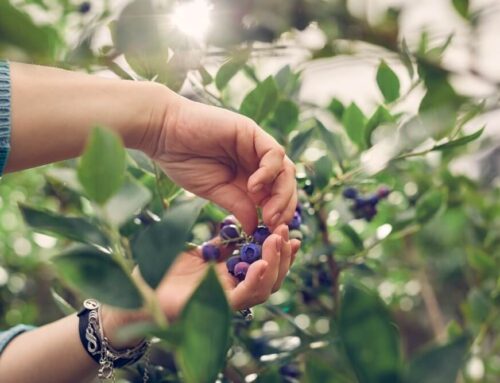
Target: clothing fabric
x,y
5,113
7,336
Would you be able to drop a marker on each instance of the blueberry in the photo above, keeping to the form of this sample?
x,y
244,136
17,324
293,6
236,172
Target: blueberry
x,y
294,224
325,278
240,270
369,211
210,252
229,220
350,193
260,234
250,252
84,7
383,192
298,209
232,262
229,232
290,370
373,200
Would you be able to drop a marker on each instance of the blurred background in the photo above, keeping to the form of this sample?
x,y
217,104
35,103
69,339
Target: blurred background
x,y
439,277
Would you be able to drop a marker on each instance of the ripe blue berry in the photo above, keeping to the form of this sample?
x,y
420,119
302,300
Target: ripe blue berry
x,y
232,262
84,7
250,252
229,232
383,192
373,200
298,209
290,370
294,224
210,252
350,193
229,220
240,270
260,234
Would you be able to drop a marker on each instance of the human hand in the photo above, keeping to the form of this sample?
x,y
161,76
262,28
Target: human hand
x,y
228,159
264,276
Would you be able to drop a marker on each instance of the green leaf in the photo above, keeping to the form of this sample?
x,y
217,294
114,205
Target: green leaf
x,y
318,371
261,101
230,68
271,375
102,168
353,121
353,236
460,141
387,82
137,36
429,205
336,108
369,337
156,247
462,7
129,200
481,261
206,326
379,117
299,143
323,170
18,29
405,56
206,77
98,275
75,228
286,116
440,364
332,141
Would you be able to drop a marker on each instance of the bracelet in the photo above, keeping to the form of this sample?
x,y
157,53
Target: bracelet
x,y
98,346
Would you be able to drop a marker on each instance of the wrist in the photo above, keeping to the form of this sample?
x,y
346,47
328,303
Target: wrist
x,y
114,319
155,116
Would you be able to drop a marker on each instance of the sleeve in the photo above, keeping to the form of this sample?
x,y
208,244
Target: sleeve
x,y
5,113
7,336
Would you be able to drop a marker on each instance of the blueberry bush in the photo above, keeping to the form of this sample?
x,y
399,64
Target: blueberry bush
x,y
397,279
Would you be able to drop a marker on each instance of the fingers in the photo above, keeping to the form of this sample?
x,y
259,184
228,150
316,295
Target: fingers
x,y
285,258
280,207
261,277
295,247
271,156
231,198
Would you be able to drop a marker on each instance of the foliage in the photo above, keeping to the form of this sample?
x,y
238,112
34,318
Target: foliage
x,y
410,296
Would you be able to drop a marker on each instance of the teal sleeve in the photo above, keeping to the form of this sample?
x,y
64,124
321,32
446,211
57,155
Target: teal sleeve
x,y
4,113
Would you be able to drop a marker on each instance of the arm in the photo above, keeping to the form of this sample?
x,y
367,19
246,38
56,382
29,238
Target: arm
x,y
214,153
53,111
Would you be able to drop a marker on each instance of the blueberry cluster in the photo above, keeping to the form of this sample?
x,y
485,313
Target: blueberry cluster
x,y
365,206
248,247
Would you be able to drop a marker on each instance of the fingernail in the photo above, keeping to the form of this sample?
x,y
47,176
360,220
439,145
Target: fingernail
x,y
263,271
257,188
279,244
285,233
275,219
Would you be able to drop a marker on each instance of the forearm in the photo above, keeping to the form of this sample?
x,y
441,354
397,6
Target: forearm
x,y
53,111
54,353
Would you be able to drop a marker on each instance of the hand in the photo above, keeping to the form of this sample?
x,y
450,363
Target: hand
x,y
263,278
226,158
